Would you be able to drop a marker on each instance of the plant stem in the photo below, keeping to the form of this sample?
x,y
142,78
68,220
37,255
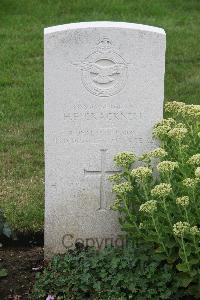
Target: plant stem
x,y
129,214
145,191
186,260
196,246
159,236
167,214
194,200
186,214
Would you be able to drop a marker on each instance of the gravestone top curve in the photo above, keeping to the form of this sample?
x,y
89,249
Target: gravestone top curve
x,y
103,24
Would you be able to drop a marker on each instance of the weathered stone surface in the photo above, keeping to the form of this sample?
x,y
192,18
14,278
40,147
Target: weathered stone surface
x,y
104,89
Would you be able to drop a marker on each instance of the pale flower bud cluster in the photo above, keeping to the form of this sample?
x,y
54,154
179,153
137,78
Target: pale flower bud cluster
x,y
190,182
162,128
178,133
195,230
183,201
167,166
124,159
180,228
149,206
141,225
191,111
116,178
156,153
174,107
123,188
161,190
161,131
141,173
194,160
183,147
116,205
180,108
197,172
170,128
169,122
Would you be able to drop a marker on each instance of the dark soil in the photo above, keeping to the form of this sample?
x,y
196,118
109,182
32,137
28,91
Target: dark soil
x,y
22,260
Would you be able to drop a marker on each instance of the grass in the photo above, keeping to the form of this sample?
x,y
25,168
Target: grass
x,y
21,82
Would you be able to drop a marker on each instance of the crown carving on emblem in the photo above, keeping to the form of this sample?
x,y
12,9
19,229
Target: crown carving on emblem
x,y
104,44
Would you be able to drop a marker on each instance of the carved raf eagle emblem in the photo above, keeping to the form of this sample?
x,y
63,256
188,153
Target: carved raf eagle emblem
x,y
103,74
104,71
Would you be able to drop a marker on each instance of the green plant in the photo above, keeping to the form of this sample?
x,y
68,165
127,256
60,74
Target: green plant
x,y
110,274
4,230
159,201
4,227
3,272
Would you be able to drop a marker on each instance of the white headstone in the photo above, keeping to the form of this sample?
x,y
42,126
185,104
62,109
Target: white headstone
x,y
104,90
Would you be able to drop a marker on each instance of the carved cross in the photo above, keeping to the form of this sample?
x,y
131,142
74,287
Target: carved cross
x,y
102,173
